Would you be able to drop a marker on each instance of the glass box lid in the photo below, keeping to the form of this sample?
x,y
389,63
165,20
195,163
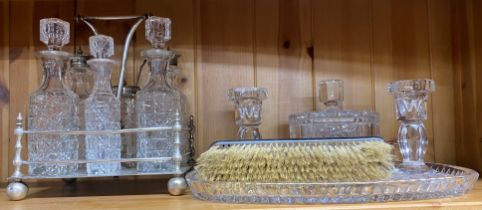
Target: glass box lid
x,y
333,121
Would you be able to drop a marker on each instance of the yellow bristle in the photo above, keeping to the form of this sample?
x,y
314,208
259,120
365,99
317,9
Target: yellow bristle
x,y
307,162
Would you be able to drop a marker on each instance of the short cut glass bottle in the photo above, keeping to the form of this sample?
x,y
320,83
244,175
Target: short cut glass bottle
x,y
102,110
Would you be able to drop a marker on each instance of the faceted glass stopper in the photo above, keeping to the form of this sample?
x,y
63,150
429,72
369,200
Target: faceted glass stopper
x,y
101,46
331,93
54,32
158,31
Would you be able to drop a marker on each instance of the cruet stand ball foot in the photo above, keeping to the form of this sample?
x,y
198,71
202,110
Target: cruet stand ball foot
x,y
177,185
17,190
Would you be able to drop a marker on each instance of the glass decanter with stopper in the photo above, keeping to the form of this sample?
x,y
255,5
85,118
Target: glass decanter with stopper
x,y
248,104
81,81
333,121
411,110
53,107
174,79
102,109
159,104
128,120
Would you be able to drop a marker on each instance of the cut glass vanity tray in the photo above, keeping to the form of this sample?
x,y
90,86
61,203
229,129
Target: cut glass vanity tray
x,y
442,181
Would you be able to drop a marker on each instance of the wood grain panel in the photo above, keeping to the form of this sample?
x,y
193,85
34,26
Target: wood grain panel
x,y
443,105
468,153
22,62
400,51
286,46
266,33
182,15
225,60
283,61
477,33
382,67
4,88
343,48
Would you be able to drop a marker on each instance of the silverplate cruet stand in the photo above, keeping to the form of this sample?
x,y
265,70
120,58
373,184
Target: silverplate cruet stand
x,y
60,131
411,110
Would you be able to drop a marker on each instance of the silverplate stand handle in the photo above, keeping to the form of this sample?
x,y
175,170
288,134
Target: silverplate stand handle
x,y
127,42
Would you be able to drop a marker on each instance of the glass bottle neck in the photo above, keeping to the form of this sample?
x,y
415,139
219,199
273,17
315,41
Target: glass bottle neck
x,y
102,76
158,71
158,61
54,64
333,105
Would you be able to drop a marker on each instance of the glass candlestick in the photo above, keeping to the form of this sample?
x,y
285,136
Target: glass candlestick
x,y
411,110
248,103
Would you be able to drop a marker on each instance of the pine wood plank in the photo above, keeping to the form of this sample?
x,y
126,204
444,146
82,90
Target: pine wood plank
x,y
22,63
467,151
224,60
283,61
146,194
4,83
343,48
25,71
383,71
443,106
477,23
267,26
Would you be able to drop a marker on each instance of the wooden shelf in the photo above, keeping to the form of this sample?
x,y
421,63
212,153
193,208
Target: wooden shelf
x,y
148,194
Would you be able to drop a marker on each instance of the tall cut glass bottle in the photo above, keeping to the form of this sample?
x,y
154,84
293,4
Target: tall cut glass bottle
x,y
102,110
159,104
53,107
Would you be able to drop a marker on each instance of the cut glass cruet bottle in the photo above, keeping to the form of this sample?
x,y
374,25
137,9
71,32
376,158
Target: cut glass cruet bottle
x,y
128,120
102,109
53,106
248,104
160,104
80,77
81,81
411,110
333,121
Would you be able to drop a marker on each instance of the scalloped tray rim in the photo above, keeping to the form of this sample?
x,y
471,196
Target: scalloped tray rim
x,y
469,174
